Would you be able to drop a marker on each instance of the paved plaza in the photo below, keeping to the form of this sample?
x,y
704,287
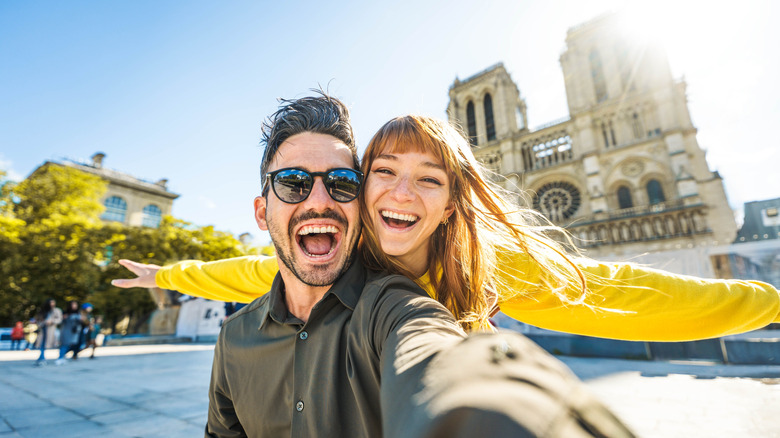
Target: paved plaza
x,y
161,391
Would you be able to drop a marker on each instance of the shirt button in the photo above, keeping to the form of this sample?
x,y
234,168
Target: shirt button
x,y
303,336
299,406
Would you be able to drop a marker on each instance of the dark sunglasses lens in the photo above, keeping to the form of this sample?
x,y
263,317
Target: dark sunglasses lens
x,y
343,184
292,185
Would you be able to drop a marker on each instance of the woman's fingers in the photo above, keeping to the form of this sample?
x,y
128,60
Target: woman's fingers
x,y
145,273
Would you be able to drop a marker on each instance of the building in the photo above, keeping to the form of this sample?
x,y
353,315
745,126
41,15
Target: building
x,y
755,253
128,200
762,221
623,172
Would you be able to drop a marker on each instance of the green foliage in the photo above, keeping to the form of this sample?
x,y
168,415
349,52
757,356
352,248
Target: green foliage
x,y
53,245
10,226
57,194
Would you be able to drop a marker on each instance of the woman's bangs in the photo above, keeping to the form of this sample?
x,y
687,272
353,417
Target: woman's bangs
x,y
404,137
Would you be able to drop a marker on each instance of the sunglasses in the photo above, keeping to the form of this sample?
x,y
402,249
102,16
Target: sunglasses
x,y
293,185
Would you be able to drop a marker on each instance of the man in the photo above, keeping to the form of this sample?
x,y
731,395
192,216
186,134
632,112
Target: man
x,y
336,350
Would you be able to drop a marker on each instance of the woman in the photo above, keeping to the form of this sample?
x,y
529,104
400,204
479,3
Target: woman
x,y
49,317
428,208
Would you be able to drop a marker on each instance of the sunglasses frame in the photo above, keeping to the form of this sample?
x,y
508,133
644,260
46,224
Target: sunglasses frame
x,y
269,181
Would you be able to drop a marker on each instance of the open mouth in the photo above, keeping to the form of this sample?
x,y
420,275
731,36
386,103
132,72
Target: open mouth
x,y
398,220
318,240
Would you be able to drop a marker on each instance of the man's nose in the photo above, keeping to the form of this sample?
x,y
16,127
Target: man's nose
x,y
319,198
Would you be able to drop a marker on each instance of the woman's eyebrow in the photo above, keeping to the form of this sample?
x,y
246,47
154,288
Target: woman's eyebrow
x,y
391,157
387,157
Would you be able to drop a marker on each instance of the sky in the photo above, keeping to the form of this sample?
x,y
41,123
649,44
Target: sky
x,y
179,89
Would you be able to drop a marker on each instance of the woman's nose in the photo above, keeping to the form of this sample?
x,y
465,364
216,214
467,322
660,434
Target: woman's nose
x,y
402,191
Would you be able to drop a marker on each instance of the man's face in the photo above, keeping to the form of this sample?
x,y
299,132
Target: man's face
x,y
314,239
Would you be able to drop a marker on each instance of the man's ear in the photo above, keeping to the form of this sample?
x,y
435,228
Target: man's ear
x,y
260,207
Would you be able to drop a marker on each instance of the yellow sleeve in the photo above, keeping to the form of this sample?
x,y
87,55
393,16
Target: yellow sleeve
x,y
240,279
634,303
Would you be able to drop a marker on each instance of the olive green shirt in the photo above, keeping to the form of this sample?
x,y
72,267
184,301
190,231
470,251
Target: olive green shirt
x,y
378,357
275,376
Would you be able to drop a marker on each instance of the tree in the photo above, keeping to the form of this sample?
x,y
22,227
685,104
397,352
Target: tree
x,y
53,252
54,245
172,241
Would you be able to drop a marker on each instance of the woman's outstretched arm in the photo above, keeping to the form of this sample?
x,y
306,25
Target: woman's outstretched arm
x,y
630,302
240,279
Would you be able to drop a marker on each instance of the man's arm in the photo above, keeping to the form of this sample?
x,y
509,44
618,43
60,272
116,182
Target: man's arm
x,y
222,419
435,383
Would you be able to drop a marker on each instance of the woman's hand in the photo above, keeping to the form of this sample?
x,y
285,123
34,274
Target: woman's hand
x,y
145,273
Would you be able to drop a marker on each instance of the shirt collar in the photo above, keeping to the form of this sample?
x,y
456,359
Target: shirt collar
x,y
350,285
346,289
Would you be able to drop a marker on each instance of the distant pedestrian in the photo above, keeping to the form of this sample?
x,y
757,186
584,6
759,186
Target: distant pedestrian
x,y
91,328
49,317
93,334
17,335
30,333
70,332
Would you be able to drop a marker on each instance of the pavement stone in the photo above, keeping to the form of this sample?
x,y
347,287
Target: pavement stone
x,y
162,391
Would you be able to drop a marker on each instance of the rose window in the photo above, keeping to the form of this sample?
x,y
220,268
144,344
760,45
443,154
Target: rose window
x,y
557,200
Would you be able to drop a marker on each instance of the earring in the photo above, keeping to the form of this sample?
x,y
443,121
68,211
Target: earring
x,y
446,220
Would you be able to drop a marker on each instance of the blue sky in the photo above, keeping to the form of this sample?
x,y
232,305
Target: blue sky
x,y
178,89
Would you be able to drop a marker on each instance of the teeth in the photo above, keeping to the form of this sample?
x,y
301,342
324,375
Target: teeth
x,y
318,230
399,216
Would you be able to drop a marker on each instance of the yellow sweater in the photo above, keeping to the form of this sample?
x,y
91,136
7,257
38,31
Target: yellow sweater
x,y
628,302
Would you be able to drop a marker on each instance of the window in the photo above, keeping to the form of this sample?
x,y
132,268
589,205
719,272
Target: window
x,y
612,133
636,126
655,192
116,208
152,216
624,197
597,74
557,200
519,118
489,123
548,152
624,64
471,123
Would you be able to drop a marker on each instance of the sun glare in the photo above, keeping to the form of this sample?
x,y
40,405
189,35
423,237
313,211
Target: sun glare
x,y
681,28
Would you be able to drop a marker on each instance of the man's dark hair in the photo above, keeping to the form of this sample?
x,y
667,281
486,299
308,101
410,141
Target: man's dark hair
x,y
321,114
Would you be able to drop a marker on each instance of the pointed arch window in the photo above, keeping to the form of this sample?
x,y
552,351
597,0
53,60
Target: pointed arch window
x,y
597,74
612,133
116,209
624,197
655,193
152,216
489,122
471,123
636,126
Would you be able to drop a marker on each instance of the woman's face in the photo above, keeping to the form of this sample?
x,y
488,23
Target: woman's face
x,y
407,196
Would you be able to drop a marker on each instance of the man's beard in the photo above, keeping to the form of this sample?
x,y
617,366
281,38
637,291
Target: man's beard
x,y
318,275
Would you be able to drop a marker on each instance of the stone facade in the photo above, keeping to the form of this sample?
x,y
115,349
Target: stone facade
x,y
144,202
624,172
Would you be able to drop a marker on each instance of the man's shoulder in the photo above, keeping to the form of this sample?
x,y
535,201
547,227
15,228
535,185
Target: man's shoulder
x,y
384,282
252,312
386,294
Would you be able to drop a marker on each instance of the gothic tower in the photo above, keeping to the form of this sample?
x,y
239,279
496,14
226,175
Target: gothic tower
x,y
624,172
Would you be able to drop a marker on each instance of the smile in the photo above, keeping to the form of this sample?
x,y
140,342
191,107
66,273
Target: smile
x,y
318,241
398,220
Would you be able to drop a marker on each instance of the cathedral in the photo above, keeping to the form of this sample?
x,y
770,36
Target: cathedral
x,y
623,172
